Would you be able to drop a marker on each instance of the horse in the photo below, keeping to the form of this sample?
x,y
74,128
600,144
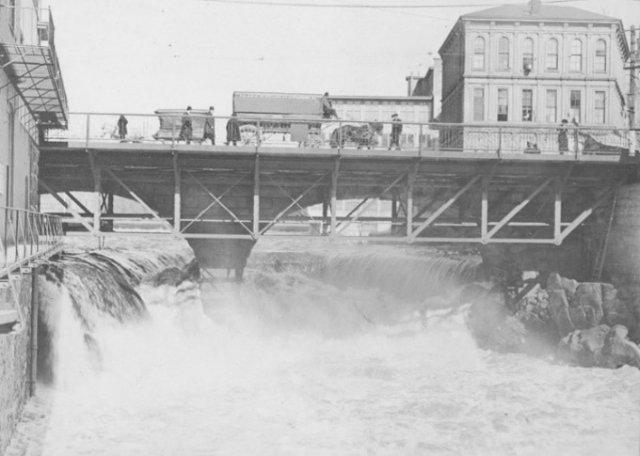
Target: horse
x,y
360,135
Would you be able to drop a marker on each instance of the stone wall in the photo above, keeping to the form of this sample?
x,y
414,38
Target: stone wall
x,y
15,360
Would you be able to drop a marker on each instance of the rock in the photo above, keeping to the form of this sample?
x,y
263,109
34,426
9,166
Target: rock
x,y
559,310
616,311
586,311
600,346
584,347
618,350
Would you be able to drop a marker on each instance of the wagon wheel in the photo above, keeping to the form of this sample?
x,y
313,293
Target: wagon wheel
x,y
249,134
314,139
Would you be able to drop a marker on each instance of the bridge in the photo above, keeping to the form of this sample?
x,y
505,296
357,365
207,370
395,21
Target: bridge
x,y
485,185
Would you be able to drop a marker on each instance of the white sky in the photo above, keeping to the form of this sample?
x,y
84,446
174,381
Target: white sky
x,y
140,55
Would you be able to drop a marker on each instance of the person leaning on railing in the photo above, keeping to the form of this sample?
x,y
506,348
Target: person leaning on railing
x,y
563,136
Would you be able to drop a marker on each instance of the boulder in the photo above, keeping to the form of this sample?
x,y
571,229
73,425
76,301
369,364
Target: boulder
x,y
583,347
586,311
600,346
618,350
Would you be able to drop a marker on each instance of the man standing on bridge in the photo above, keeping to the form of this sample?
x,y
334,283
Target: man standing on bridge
x,y
186,129
396,130
233,130
210,127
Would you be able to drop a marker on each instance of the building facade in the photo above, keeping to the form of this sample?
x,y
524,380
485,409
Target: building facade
x,y
32,97
535,64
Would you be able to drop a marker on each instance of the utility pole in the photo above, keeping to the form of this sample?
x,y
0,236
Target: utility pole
x,y
634,64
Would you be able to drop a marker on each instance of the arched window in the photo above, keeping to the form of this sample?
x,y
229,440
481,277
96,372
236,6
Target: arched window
x,y
478,53
575,62
503,53
600,63
552,54
527,55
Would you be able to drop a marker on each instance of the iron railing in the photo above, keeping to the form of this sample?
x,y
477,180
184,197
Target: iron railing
x,y
26,236
262,133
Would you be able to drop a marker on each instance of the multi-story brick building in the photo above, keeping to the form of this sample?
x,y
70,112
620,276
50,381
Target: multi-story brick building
x,y
535,64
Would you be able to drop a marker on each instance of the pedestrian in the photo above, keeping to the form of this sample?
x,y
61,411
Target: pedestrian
x,y
210,127
563,137
186,127
327,108
396,130
122,127
233,130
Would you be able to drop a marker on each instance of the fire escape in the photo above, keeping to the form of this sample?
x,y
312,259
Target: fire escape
x,y
29,59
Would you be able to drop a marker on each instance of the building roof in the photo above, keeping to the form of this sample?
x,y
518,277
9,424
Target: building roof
x,y
525,11
536,11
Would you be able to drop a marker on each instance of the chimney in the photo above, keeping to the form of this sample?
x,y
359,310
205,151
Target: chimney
x,y
534,6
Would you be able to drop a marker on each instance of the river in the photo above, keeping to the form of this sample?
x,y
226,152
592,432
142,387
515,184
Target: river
x,y
348,362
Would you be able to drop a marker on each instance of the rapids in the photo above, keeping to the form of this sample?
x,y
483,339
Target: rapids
x,y
346,351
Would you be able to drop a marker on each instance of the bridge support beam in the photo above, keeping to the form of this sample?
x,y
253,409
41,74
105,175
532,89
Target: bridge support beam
x,y
411,180
334,196
256,196
177,194
96,171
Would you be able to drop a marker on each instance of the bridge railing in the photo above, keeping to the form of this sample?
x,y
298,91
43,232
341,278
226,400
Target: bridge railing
x,y
26,236
266,132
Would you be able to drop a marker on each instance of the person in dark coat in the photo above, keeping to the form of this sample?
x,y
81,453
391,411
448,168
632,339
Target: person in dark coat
x,y
210,127
563,137
233,130
396,130
186,128
327,108
122,127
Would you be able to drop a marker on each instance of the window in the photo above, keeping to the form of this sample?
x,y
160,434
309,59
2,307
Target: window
x,y
575,63
503,53
551,106
552,54
503,105
600,112
600,64
527,105
527,55
478,53
478,104
575,104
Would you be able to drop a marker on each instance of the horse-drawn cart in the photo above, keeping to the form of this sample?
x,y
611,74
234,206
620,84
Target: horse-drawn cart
x,y
171,124
271,117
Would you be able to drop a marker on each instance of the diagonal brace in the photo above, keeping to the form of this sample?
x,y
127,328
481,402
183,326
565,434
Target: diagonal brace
x,y
221,204
74,213
134,195
198,217
513,212
442,208
293,203
585,214
367,202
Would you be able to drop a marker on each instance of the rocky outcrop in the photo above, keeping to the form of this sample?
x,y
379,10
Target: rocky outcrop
x,y
600,346
581,306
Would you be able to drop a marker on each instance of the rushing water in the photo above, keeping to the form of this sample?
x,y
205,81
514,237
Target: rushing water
x,y
339,360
